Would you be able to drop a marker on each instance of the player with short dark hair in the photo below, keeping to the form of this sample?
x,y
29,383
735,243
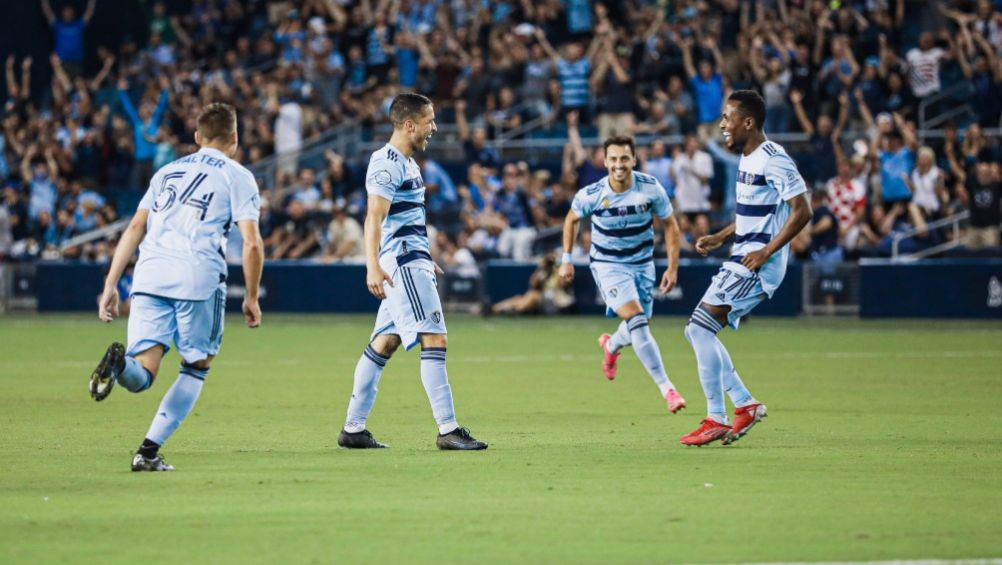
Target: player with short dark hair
x,y
772,208
401,273
179,286
622,207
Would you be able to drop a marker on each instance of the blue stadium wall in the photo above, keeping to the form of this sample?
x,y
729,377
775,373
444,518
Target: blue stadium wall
x,y
933,289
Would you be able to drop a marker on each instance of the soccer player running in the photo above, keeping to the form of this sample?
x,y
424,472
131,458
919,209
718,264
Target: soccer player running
x,y
622,207
179,287
772,208
401,273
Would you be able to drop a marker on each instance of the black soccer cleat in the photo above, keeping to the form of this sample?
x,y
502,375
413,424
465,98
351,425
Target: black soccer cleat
x,y
459,439
102,380
359,440
140,463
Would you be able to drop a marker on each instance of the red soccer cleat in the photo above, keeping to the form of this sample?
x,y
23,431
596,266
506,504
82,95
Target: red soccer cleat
x,y
744,419
675,401
609,363
709,431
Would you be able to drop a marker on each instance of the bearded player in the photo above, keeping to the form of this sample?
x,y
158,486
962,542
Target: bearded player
x,y
622,207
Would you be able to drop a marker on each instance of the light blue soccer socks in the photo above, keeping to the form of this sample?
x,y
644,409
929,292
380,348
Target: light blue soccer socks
x,y
436,384
177,403
134,377
363,394
716,371
620,339
647,351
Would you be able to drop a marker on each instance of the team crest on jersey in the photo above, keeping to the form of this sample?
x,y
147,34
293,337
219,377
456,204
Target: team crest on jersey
x,y
613,292
436,317
382,178
623,210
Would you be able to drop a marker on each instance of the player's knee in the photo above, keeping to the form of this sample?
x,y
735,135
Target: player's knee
x,y
385,345
434,340
201,365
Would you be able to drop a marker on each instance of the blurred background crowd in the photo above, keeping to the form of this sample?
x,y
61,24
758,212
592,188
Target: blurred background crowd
x,y
891,108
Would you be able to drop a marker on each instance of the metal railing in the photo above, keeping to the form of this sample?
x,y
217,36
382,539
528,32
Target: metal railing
x,y
959,91
952,221
109,230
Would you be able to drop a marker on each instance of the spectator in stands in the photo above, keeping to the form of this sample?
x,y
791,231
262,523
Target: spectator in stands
x,y
344,239
822,162
707,82
475,143
980,189
847,200
512,207
691,171
441,196
774,78
923,63
824,231
895,151
68,32
574,70
612,84
145,125
928,185
587,165
297,237
657,162
305,191
985,76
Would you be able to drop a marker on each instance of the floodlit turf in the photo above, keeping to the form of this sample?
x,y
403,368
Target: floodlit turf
x,y
882,442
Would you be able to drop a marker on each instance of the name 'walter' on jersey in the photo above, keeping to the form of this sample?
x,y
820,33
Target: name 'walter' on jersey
x,y
404,232
767,178
193,204
622,225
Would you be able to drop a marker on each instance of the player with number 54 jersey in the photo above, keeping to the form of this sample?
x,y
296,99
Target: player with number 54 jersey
x,y
179,287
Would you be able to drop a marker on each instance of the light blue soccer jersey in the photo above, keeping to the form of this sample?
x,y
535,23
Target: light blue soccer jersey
x,y
622,223
193,204
405,235
766,179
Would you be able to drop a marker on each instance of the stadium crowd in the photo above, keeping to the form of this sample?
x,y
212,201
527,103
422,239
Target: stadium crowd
x,y
855,78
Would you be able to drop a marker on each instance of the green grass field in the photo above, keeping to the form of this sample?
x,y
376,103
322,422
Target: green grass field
x,y
882,443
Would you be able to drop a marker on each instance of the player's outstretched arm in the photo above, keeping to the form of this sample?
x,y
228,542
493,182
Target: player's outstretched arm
x,y
566,271
379,208
708,243
126,248
253,261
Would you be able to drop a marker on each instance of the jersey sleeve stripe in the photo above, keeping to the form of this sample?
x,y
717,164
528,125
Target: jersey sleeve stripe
x,y
622,232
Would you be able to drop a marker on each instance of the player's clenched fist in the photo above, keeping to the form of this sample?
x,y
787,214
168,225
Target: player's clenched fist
x,y
566,273
707,243
374,278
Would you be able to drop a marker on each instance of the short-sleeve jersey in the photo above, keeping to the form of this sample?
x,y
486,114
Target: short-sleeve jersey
x,y
622,223
193,203
404,233
767,179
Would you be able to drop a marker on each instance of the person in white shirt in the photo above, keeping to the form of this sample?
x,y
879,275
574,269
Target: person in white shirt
x,y
923,66
179,286
928,184
692,170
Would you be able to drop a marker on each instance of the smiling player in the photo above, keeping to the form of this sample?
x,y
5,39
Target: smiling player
x,y
400,272
772,208
622,207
